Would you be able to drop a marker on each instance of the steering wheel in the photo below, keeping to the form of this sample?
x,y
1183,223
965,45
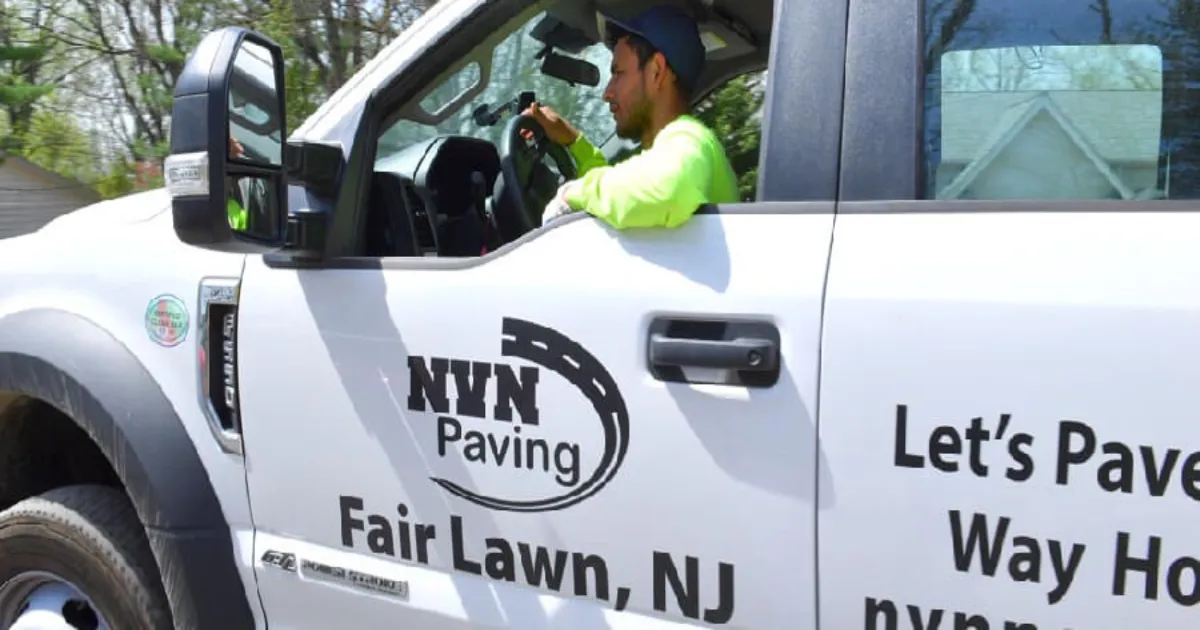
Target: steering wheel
x,y
526,184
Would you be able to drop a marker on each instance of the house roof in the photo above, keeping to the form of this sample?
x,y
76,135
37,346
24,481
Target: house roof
x,y
1118,125
47,179
31,196
1010,125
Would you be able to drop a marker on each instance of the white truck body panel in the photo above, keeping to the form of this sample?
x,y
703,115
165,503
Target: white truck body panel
x,y
108,263
1072,337
1053,329
723,474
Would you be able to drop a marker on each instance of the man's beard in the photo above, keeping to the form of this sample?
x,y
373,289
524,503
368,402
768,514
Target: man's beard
x,y
636,122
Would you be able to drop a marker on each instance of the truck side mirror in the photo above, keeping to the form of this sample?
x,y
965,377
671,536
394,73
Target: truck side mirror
x,y
226,171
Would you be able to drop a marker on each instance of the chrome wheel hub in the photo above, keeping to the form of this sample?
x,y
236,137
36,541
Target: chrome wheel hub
x,y
42,601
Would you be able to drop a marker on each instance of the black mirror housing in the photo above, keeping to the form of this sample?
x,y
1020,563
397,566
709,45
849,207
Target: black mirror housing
x,y
226,171
569,69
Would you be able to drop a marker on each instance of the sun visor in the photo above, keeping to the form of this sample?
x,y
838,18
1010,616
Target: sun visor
x,y
722,42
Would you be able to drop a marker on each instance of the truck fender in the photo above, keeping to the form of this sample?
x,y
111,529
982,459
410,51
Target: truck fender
x,y
83,371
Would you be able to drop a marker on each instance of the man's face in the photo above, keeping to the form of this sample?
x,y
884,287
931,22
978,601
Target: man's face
x,y
628,94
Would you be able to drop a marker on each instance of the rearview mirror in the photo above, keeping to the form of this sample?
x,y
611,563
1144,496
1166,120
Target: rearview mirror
x,y
569,69
226,170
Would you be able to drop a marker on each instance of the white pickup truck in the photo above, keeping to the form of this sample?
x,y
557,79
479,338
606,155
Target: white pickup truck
x,y
941,369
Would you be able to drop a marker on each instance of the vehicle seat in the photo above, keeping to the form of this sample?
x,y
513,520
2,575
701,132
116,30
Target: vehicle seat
x,y
462,229
390,231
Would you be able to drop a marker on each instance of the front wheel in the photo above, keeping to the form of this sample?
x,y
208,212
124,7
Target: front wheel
x,y
76,558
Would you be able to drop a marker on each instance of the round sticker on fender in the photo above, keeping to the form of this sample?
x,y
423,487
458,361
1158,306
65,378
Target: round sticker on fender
x,y
167,321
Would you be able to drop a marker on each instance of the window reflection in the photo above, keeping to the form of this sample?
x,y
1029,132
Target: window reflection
x,y
1078,99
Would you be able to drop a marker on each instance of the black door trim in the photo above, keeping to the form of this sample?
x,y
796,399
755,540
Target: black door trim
x,y
881,137
802,129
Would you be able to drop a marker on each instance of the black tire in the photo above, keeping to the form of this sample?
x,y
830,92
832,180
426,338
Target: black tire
x,y
91,537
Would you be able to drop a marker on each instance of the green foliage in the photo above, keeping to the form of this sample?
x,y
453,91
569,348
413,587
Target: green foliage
x,y
30,52
118,181
14,91
152,151
165,54
301,84
17,94
734,113
56,143
154,93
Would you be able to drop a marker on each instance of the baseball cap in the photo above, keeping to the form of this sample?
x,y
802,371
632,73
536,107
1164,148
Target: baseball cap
x,y
673,32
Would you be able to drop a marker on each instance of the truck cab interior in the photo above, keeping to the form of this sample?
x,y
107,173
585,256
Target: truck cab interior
x,y
454,176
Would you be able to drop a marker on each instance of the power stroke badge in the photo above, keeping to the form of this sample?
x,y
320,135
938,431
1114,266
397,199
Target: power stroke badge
x,y
497,421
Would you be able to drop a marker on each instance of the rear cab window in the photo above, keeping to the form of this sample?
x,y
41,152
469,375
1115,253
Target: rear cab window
x,y
1084,99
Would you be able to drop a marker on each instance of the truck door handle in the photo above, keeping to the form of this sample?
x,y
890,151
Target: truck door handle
x,y
741,353
745,353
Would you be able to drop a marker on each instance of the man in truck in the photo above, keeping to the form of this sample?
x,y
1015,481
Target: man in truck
x,y
246,197
233,205
657,60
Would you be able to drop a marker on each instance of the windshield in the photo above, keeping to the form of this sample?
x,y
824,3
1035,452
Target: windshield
x,y
515,68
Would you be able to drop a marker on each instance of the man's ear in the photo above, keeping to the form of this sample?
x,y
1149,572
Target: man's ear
x,y
658,70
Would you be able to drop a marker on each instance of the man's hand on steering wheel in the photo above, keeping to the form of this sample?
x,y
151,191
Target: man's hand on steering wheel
x,y
561,132
557,129
527,183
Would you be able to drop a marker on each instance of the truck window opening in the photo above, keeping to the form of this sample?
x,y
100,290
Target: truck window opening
x,y
424,198
1059,106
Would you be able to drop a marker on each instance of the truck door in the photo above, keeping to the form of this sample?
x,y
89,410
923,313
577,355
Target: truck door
x,y
562,433
1011,346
